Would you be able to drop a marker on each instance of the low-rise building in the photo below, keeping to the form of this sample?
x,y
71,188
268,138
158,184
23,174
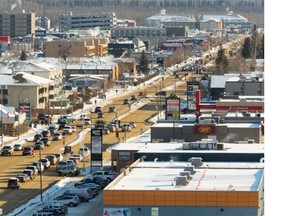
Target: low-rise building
x,y
187,188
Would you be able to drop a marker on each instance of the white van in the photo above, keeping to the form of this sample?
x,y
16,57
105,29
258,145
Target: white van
x,y
84,194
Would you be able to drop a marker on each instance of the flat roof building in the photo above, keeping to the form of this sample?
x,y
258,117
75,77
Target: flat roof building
x,y
181,188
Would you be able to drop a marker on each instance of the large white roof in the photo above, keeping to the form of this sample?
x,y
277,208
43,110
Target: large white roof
x,y
211,176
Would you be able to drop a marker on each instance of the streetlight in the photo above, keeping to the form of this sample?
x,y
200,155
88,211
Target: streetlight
x,y
41,188
82,144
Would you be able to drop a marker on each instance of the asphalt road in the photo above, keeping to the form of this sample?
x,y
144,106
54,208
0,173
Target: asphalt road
x,y
11,165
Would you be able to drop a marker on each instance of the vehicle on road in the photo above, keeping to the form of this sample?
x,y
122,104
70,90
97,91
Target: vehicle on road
x,y
18,147
27,151
98,109
30,173
68,149
68,200
45,162
13,183
46,141
78,156
75,159
133,97
126,101
112,109
68,129
39,166
59,157
52,158
126,128
46,133
85,152
100,124
33,168
57,136
37,137
100,115
87,121
105,130
82,116
39,145
132,124
23,177
7,150
53,128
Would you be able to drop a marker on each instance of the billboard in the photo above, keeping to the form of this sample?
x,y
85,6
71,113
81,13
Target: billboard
x,y
96,147
172,107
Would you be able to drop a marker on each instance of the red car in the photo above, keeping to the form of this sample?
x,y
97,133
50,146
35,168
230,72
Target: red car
x,y
27,151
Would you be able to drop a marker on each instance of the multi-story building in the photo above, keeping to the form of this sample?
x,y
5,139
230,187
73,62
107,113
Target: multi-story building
x,y
43,22
76,48
105,21
16,23
211,24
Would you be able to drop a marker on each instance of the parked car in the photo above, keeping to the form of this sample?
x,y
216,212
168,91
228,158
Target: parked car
x,y
82,116
105,130
68,200
14,183
52,158
61,165
100,115
68,149
46,133
45,162
71,162
112,109
18,147
23,177
57,136
48,212
46,141
7,150
39,145
59,157
63,209
69,129
84,194
27,151
69,171
75,159
53,129
90,185
126,101
112,127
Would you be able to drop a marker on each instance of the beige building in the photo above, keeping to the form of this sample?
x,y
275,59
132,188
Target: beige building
x,y
211,24
17,23
76,48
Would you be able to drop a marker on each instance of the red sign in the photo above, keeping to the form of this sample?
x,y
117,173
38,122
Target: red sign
x,y
252,108
204,129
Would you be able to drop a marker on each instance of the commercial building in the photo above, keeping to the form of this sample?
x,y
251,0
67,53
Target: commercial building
x,y
191,132
76,48
187,188
105,21
43,22
17,23
125,154
211,25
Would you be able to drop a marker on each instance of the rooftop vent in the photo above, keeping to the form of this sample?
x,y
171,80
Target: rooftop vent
x,y
196,161
187,174
190,169
181,181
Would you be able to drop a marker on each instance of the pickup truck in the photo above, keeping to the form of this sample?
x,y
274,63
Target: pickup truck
x,y
7,150
68,129
106,175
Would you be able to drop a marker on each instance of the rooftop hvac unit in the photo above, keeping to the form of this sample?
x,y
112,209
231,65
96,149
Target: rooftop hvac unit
x,y
186,146
194,145
181,181
196,161
203,146
187,174
220,146
190,169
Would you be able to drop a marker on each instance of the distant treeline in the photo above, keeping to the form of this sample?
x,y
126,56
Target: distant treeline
x,y
140,9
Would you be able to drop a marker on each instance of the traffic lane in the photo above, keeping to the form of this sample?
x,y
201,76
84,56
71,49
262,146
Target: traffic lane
x,y
12,165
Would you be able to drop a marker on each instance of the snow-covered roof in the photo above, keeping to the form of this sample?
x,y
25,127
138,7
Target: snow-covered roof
x,y
219,81
169,18
22,77
213,176
225,17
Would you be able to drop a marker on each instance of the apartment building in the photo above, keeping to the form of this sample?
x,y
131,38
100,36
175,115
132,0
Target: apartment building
x,y
43,22
105,21
76,48
17,23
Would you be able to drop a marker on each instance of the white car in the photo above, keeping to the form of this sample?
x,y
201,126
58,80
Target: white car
x,y
87,121
67,200
83,116
18,147
45,162
59,157
78,156
84,151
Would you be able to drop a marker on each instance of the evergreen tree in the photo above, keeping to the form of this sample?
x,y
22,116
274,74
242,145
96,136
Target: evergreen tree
x,y
143,63
246,49
23,56
221,61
